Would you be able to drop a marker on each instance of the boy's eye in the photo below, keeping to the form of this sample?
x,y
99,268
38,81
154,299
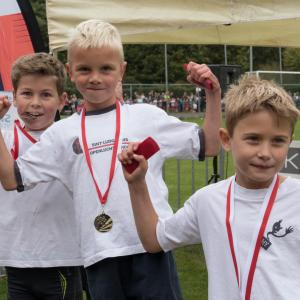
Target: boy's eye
x,y
107,68
252,139
46,94
82,69
26,93
279,140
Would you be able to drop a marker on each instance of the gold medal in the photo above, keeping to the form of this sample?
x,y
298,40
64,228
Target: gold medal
x,y
103,223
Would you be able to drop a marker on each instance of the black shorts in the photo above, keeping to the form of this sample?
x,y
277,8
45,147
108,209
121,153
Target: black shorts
x,y
58,283
136,277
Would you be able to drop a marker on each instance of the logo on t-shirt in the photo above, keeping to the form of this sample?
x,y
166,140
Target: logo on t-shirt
x,y
266,243
77,147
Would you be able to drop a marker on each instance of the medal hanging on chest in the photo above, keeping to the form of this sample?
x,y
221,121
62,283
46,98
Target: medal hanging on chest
x,y
245,280
102,222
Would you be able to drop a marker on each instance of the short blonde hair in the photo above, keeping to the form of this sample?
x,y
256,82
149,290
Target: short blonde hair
x,y
252,94
96,34
40,64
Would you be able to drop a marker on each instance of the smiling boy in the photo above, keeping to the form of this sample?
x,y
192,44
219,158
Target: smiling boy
x,y
39,241
249,224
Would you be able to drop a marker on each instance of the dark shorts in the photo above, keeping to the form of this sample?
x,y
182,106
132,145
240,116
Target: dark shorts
x,y
59,283
136,277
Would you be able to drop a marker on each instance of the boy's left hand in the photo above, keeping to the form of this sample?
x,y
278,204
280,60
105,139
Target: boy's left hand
x,y
126,157
200,73
4,106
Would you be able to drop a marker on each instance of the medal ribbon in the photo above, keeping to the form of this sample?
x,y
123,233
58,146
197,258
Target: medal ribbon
x,y
102,198
254,250
15,150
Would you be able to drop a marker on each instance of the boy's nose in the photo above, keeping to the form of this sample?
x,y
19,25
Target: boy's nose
x,y
95,78
264,151
35,101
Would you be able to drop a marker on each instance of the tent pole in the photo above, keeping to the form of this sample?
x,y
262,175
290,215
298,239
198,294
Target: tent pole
x,y
166,68
280,64
251,58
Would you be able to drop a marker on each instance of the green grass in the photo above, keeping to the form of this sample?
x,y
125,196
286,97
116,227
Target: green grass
x,y
190,260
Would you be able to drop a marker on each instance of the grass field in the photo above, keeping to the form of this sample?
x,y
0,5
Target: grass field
x,y
190,260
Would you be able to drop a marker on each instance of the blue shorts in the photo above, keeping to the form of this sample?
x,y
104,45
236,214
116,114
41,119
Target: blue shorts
x,y
136,277
57,283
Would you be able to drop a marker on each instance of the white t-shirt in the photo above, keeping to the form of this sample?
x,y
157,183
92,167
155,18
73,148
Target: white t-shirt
x,y
202,219
37,227
59,155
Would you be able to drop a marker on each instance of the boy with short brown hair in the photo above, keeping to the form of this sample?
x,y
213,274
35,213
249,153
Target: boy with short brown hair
x,y
248,224
39,242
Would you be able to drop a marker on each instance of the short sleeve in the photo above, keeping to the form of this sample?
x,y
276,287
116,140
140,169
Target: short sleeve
x,y
182,140
180,229
44,161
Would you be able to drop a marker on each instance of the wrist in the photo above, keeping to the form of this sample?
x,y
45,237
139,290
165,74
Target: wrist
x,y
137,184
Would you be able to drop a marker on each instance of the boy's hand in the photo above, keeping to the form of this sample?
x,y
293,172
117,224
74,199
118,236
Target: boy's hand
x,y
4,106
199,74
126,157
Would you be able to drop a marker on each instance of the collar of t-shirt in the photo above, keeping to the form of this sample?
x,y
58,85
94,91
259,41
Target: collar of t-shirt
x,y
36,134
101,111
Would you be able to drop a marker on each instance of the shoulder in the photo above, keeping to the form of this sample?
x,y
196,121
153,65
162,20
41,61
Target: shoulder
x,y
212,192
290,186
143,108
63,128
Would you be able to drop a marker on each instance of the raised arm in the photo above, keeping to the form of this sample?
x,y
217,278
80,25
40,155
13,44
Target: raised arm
x,y
212,122
7,174
144,214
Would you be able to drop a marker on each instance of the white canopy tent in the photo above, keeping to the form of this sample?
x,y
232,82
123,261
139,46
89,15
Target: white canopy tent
x,y
248,22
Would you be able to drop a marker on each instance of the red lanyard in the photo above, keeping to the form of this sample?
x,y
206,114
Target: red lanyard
x,y
15,150
246,293
102,198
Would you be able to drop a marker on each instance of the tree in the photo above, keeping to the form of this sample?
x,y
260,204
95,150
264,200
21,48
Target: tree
x,y
39,8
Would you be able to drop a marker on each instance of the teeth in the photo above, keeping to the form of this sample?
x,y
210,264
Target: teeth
x,y
32,115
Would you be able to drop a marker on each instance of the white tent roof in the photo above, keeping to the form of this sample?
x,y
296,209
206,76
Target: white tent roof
x,y
232,22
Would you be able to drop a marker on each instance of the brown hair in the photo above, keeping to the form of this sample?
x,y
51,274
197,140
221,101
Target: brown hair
x,y
252,94
39,64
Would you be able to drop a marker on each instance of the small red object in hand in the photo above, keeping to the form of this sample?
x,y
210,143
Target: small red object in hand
x,y
207,83
147,148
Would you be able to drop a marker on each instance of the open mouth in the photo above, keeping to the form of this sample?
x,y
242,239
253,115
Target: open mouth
x,y
32,115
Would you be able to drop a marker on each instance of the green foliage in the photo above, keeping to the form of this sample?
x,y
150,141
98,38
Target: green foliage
x,y
146,63
291,59
39,8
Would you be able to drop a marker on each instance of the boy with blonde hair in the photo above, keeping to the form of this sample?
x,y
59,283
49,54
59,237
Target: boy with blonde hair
x,y
248,224
86,147
39,241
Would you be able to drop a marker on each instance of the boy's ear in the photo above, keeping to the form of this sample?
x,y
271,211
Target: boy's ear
x,y
14,98
225,139
69,70
62,100
123,69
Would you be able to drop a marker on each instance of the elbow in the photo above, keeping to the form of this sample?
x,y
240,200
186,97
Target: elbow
x,y
151,246
9,187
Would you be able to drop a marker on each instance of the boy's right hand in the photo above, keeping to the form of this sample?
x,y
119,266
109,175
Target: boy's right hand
x,y
126,157
4,106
